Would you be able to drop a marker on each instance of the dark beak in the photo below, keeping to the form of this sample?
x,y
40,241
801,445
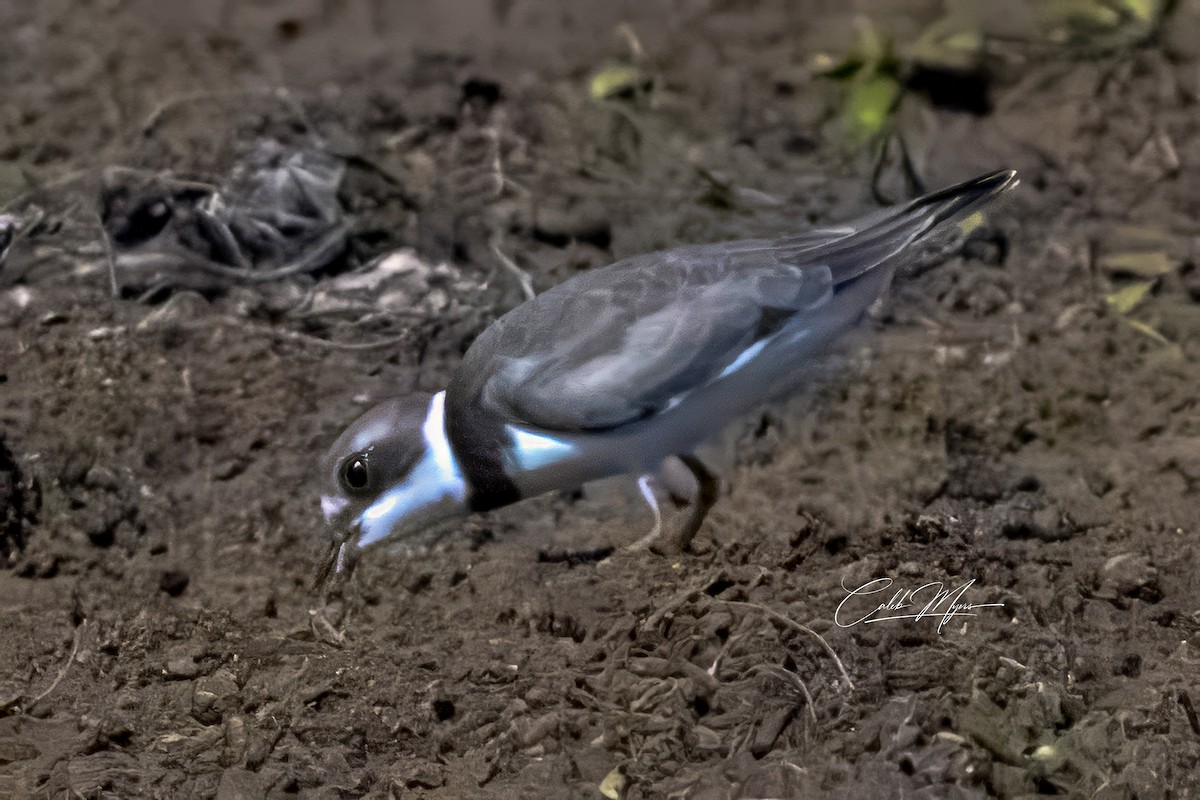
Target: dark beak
x,y
337,557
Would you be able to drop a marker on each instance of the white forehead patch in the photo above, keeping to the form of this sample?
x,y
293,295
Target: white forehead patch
x,y
378,429
332,506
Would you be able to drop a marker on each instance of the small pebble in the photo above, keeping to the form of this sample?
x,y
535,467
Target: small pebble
x,y
181,669
174,582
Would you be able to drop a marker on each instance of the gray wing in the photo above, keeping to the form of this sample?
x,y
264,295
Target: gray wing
x,y
622,343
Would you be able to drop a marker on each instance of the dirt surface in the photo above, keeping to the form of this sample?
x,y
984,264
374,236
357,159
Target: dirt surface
x,y
1023,418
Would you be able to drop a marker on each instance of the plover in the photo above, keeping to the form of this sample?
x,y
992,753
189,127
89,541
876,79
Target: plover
x,y
619,368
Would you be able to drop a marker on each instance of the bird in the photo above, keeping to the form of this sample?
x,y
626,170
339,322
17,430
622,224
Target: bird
x,y
620,368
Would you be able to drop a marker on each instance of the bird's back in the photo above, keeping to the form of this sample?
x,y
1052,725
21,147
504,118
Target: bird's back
x,y
621,343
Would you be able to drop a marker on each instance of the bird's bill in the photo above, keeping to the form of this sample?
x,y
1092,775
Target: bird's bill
x,y
429,496
338,532
432,491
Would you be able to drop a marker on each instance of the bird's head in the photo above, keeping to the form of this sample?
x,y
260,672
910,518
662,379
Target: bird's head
x,y
391,473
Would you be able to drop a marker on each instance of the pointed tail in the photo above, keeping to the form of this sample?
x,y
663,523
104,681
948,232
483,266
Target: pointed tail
x,y
952,203
876,239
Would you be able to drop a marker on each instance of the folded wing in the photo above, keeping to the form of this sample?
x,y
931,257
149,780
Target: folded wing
x,y
628,341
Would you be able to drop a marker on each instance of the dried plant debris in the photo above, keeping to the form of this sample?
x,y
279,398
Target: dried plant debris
x,y
1138,261
945,63
1142,264
1124,301
623,80
276,216
398,285
1090,25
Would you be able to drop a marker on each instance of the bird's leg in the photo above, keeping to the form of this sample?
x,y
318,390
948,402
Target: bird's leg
x,y
708,489
648,493
705,495
915,185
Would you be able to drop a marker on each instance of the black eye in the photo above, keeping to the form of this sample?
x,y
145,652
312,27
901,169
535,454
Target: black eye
x,y
355,476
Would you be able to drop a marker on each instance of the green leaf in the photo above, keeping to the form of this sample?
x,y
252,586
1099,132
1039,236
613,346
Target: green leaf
x,y
1142,10
617,81
1143,264
1099,23
869,107
1126,300
1146,330
871,53
613,785
970,222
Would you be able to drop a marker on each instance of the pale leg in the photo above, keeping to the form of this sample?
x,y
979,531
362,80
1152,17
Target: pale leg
x,y
707,491
648,493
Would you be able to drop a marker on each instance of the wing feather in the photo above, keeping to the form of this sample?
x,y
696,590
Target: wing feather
x,y
612,346
640,335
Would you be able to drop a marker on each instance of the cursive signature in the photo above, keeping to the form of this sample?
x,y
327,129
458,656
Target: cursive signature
x,y
931,600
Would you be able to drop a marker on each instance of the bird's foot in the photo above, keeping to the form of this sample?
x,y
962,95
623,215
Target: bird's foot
x,y
650,538
678,541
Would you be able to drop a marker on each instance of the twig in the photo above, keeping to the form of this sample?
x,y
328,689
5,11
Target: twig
x,y
626,32
790,677
62,673
319,255
163,177
678,601
21,232
791,623
74,176
283,333
391,341
523,279
316,257
57,183
109,256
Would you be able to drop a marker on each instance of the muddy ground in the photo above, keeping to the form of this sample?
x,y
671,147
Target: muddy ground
x,y
1023,417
